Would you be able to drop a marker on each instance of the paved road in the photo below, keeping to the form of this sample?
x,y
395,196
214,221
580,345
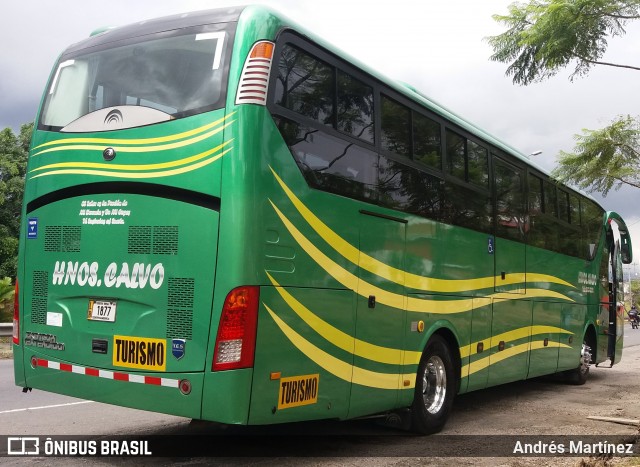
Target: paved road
x,y
530,407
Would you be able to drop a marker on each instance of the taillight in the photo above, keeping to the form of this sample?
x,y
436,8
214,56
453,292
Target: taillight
x,y
236,339
254,80
16,316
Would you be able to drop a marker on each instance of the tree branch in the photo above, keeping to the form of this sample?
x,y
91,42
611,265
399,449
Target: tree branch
x,y
595,62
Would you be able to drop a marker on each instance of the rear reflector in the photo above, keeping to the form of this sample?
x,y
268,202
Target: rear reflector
x,y
254,80
236,339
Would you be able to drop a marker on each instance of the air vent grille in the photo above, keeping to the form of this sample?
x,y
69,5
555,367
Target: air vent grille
x,y
180,308
157,240
39,297
64,239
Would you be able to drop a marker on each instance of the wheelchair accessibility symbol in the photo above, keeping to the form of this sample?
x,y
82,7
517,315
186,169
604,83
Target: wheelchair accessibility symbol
x,y
490,245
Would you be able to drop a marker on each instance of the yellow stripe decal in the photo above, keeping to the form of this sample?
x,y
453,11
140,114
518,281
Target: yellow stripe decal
x,y
483,363
398,301
156,174
126,149
510,336
163,165
343,340
413,281
160,139
340,369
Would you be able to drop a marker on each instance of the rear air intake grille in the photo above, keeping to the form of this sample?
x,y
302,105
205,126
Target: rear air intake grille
x,y
180,308
140,240
165,240
157,240
39,297
65,239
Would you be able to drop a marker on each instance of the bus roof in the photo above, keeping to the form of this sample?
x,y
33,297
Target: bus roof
x,y
259,14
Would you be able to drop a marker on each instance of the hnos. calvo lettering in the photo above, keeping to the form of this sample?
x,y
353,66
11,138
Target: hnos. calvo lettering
x,y
136,276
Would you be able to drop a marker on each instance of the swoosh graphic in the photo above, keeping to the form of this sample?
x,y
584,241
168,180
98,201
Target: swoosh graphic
x,y
343,340
394,300
157,174
339,368
413,281
144,141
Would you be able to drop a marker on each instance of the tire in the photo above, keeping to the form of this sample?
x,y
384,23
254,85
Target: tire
x,y
580,375
435,388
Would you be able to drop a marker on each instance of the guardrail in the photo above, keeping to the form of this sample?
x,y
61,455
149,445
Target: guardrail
x,y
6,329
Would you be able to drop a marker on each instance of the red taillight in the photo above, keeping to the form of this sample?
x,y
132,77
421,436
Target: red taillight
x,y
236,339
16,317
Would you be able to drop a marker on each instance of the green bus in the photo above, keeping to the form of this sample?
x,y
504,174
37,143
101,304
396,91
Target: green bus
x,y
227,219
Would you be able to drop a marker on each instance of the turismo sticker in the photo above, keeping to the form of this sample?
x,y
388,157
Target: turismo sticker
x,y
298,390
144,353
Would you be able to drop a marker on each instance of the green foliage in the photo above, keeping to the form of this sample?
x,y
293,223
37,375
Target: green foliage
x,y
604,159
6,296
543,37
13,161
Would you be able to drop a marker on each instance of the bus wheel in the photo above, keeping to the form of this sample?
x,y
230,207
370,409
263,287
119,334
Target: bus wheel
x,y
435,388
579,375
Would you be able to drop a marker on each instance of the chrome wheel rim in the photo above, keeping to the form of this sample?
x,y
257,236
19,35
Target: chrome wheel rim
x,y
434,385
585,359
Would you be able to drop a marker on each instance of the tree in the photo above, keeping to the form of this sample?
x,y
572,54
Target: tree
x,y
604,159
13,162
544,37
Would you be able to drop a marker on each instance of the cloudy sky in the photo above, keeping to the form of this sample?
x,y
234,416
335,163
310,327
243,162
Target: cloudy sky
x,y
435,45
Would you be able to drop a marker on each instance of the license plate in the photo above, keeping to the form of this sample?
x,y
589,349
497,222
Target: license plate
x,y
102,310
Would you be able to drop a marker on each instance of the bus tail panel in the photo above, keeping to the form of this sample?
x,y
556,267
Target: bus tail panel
x,y
175,393
113,286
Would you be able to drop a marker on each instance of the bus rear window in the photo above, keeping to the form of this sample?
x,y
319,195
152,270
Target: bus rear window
x,y
174,76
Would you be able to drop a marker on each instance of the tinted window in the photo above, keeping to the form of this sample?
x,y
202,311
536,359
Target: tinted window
x,y
456,148
510,219
355,107
396,127
563,205
535,195
477,165
550,199
467,208
305,85
410,190
426,140
332,164
592,218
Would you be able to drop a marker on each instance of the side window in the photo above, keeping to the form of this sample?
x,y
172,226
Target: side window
x,y
563,206
396,127
330,163
456,149
305,85
426,139
550,199
508,187
467,160
478,167
592,218
535,195
355,107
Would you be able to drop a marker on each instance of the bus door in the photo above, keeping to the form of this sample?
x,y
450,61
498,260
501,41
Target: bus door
x,y
619,243
511,318
616,306
511,225
380,320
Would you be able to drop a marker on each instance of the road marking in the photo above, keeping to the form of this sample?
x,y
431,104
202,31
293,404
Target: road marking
x,y
45,407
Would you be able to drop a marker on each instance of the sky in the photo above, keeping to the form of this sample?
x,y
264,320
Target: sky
x,y
437,46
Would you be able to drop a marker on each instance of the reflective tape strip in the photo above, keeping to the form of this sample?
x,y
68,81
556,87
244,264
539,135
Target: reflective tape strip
x,y
114,375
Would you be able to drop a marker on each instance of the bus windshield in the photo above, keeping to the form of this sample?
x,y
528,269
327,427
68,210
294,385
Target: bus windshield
x,y
157,78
